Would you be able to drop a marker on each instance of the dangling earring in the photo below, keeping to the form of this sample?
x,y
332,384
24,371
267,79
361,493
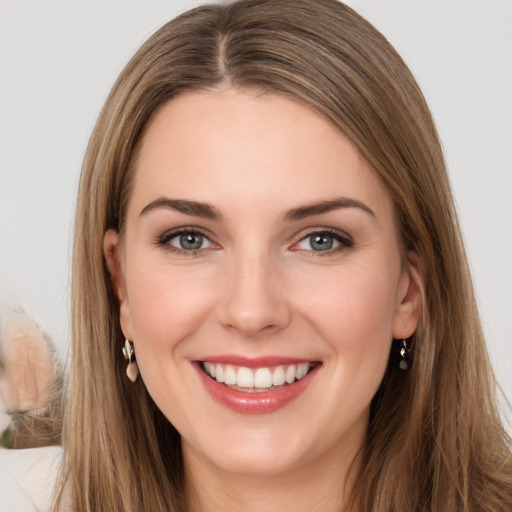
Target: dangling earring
x,y
403,352
132,369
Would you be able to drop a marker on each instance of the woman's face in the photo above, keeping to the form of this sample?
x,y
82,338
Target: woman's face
x,y
259,248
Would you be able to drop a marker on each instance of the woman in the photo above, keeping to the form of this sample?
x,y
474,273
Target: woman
x,y
263,209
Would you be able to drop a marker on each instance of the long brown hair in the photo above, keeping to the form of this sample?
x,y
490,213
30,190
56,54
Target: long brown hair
x,y
435,441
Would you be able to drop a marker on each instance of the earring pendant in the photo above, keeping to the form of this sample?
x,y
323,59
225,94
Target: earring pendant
x,y
403,352
132,370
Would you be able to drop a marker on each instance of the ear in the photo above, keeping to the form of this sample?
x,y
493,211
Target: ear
x,y
113,258
112,252
409,298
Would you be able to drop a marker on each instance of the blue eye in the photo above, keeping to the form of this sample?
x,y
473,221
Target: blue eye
x,y
186,241
321,242
324,241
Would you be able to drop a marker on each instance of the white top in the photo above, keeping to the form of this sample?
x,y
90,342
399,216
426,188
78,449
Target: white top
x,y
27,478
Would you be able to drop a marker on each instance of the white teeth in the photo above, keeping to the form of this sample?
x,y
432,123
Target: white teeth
x,y
290,374
278,378
230,376
302,370
263,378
245,378
258,379
210,368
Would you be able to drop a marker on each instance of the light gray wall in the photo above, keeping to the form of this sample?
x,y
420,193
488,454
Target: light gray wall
x,y
59,58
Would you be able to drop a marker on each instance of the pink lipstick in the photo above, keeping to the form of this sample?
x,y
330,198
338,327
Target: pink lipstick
x,y
258,385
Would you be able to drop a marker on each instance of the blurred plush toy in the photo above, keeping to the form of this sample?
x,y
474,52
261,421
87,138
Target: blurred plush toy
x,y
30,383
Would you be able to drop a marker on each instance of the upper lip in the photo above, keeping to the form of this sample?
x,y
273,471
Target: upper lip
x,y
254,362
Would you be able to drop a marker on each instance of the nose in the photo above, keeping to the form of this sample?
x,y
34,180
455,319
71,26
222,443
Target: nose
x,y
255,301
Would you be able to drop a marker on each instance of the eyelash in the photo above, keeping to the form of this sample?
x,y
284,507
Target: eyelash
x,y
344,241
164,241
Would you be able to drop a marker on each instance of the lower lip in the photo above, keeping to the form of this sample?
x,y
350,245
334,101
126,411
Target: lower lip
x,y
264,402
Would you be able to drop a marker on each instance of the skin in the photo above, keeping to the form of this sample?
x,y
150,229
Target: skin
x,y
256,287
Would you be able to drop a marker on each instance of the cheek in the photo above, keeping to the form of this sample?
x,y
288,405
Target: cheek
x,y
164,303
166,306
352,309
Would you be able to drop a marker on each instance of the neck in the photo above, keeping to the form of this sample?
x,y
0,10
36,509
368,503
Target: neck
x,y
322,485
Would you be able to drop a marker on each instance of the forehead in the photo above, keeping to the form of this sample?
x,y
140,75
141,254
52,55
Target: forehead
x,y
264,147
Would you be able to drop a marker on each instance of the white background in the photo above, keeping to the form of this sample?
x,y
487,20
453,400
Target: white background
x,y
58,59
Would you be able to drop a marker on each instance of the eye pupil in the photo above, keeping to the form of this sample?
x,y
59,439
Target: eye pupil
x,y
321,242
191,241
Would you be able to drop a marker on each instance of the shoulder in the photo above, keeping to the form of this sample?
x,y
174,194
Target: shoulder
x,y
27,478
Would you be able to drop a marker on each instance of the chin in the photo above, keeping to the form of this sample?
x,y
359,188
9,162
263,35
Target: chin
x,y
251,451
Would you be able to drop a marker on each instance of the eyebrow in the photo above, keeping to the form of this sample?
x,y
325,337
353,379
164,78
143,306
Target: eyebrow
x,y
196,208
208,211
310,210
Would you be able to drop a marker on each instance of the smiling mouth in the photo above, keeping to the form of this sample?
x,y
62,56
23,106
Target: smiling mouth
x,y
254,380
